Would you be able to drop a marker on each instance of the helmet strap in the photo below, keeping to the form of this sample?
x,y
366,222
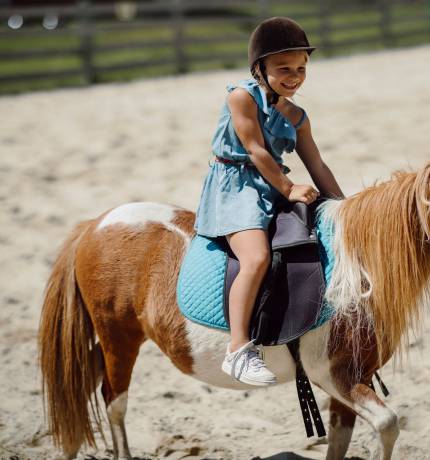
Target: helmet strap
x,y
262,73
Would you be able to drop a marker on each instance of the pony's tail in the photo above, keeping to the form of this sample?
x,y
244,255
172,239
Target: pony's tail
x,y
69,357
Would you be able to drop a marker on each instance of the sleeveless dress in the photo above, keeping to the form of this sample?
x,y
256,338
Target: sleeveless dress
x,y
236,196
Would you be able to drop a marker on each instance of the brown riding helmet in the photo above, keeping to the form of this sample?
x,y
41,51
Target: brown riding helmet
x,y
276,35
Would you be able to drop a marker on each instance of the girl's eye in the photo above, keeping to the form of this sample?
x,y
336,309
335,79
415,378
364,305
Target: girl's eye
x,y
287,69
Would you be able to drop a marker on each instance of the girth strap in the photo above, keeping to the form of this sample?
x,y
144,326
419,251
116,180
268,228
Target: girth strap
x,y
308,403
384,389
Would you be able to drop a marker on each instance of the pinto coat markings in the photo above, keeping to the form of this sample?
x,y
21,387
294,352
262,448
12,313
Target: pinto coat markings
x,y
131,269
138,214
208,348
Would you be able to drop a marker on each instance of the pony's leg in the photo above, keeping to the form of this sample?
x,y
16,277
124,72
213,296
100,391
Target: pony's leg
x,y
116,413
99,363
382,418
330,366
119,362
364,402
342,421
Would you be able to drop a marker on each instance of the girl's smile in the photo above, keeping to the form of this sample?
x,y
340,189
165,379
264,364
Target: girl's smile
x,y
291,86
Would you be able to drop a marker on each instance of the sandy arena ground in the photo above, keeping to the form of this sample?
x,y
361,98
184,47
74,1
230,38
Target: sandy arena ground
x,y
71,154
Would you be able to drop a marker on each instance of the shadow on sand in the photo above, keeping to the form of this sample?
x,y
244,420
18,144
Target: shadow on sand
x,y
110,457
293,456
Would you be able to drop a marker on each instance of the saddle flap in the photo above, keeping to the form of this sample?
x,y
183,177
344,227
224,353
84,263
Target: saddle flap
x,y
292,297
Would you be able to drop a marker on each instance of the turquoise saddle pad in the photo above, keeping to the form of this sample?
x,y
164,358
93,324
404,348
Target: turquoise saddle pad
x,y
200,288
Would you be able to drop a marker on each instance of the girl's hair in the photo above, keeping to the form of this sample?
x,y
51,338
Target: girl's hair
x,y
257,71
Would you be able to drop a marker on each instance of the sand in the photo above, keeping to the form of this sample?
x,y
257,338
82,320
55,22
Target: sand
x,y
68,155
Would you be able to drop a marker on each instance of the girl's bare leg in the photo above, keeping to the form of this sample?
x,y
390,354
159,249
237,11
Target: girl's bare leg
x,y
251,247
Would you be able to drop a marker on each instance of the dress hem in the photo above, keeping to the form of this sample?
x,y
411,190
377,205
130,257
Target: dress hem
x,y
228,232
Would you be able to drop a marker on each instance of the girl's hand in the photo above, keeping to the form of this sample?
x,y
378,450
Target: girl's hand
x,y
304,193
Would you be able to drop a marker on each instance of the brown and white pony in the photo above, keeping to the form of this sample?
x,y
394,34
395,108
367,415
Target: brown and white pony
x,y
113,286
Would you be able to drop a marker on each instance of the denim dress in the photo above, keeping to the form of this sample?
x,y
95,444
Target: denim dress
x,y
236,196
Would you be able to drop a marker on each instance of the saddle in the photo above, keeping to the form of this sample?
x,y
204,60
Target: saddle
x,y
290,299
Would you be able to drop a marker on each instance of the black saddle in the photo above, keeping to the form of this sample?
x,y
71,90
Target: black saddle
x,y
291,294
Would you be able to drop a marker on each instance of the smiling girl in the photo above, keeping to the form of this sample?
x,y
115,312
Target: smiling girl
x,y
257,124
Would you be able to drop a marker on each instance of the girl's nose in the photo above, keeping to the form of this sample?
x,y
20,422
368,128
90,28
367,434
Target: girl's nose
x,y
294,73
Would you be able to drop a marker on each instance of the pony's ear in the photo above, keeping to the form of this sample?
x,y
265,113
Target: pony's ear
x,y
422,196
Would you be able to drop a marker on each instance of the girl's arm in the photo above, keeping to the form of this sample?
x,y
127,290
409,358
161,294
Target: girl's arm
x,y
243,111
311,157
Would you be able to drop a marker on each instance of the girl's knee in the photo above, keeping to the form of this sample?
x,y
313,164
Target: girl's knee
x,y
257,263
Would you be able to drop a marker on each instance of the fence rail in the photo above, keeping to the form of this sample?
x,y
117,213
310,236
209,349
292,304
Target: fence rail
x,y
88,40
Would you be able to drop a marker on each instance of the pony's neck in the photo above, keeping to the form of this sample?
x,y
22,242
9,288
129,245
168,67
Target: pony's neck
x,y
382,260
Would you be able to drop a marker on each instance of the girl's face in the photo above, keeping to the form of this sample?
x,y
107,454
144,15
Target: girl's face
x,y
286,71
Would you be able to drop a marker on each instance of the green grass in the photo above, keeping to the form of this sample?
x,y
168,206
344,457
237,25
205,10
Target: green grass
x,y
17,42
144,54
161,32
40,85
306,12
294,9
13,66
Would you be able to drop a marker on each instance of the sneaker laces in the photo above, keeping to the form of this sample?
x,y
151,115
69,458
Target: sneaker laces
x,y
251,358
255,359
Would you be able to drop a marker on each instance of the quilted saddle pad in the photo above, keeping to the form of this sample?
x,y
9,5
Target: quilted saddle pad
x,y
201,284
200,290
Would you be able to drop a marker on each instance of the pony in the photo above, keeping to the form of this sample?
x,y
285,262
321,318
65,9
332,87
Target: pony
x,y
113,286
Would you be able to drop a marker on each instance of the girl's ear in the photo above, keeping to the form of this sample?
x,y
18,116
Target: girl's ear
x,y
257,73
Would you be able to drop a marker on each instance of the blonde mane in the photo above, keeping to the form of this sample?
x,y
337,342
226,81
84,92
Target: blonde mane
x,y
381,275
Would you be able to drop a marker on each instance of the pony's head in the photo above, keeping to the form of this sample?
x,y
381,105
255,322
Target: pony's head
x,y
381,276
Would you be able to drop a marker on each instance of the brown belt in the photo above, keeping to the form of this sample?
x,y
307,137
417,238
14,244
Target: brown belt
x,y
248,164
233,162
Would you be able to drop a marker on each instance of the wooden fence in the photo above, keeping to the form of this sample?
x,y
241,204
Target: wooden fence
x,y
89,41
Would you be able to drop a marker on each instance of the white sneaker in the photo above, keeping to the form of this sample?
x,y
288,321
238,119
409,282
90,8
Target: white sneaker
x,y
246,365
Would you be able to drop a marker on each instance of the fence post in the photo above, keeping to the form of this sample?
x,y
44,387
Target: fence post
x,y
86,41
179,45
385,7
324,27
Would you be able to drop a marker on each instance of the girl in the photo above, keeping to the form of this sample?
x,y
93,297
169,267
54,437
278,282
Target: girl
x,y
258,123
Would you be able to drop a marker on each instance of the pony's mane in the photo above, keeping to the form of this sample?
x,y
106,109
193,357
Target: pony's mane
x,y
381,274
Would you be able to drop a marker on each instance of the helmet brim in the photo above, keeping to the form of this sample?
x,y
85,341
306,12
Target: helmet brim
x,y
308,49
